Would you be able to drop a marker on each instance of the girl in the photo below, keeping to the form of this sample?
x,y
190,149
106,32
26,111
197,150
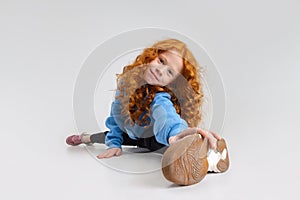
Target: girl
x,y
157,103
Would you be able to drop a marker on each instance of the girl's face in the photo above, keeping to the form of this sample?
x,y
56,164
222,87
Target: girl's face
x,y
164,69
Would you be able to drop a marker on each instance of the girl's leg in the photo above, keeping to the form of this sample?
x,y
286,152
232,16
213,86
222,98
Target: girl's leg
x,y
100,138
152,144
85,138
96,138
75,140
149,142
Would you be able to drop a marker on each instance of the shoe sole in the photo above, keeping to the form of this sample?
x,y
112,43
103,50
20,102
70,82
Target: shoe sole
x,y
185,162
223,164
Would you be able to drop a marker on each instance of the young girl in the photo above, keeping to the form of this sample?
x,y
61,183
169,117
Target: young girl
x,y
157,103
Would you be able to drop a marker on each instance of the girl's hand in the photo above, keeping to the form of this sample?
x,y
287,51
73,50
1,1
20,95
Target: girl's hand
x,y
211,136
110,153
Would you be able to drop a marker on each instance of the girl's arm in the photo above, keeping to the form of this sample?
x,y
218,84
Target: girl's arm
x,y
166,122
169,127
114,138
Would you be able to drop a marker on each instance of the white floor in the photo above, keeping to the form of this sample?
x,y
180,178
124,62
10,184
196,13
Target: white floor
x,y
255,45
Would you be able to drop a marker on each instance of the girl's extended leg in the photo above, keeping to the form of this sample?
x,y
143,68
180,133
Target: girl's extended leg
x,y
100,138
85,138
149,142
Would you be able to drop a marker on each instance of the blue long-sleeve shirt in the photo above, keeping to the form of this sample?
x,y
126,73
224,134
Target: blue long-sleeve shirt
x,y
164,122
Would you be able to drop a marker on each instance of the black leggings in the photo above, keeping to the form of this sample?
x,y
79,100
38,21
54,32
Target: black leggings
x,y
149,143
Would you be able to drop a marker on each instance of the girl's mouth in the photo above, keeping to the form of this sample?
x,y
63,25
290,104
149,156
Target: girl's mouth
x,y
154,75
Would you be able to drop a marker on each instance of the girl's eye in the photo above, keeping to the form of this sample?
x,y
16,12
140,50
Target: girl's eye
x,y
170,72
161,61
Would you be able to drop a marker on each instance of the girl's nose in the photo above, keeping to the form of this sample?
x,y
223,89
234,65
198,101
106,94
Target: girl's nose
x,y
158,71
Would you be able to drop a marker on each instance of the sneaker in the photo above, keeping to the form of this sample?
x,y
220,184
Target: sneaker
x,y
185,162
218,160
75,140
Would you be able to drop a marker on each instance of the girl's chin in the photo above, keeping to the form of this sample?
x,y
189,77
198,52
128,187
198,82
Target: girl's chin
x,y
149,81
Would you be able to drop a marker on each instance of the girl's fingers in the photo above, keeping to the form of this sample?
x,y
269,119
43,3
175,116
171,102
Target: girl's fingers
x,y
118,153
207,133
216,135
110,153
212,137
212,143
202,132
101,155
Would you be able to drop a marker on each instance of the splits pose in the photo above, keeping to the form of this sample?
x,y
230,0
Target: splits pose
x,y
157,106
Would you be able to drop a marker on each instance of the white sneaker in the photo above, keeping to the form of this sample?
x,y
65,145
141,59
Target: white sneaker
x,y
218,159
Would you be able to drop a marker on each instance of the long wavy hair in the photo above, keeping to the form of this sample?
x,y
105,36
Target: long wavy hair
x,y
186,92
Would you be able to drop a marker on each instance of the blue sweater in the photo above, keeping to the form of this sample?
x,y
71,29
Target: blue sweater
x,y
164,122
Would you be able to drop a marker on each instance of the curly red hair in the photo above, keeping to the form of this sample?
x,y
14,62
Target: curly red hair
x,y
186,92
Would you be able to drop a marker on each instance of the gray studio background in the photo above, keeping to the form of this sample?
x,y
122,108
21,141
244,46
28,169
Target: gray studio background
x,y
255,45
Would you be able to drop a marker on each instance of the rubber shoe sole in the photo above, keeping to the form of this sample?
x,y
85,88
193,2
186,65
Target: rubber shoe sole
x,y
223,164
185,162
